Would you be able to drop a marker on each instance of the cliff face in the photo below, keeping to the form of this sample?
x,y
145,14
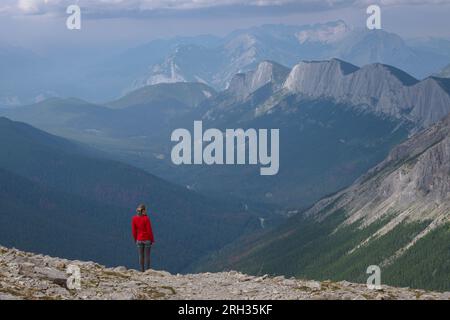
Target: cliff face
x,y
243,84
375,88
379,88
412,184
413,181
29,276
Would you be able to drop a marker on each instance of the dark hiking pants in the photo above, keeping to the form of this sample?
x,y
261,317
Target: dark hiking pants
x,y
144,249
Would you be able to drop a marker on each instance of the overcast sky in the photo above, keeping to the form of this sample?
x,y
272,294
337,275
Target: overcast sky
x,y
40,24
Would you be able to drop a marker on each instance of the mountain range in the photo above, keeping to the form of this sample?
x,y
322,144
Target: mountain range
x,y
209,59
336,120
320,108
215,63
378,88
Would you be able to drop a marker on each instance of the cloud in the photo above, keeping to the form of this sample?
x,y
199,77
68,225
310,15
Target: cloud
x,y
117,8
404,2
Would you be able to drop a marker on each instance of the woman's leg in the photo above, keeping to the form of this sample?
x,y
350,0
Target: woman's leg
x,y
141,256
147,256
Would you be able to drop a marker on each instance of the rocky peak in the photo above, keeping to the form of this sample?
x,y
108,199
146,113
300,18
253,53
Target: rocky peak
x,y
429,100
266,72
33,276
311,77
377,87
389,73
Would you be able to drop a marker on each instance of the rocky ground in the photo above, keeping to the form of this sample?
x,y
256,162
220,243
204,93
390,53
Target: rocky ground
x,y
30,276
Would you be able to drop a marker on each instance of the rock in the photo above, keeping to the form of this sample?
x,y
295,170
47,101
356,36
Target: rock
x,y
120,269
278,279
127,295
57,291
289,282
313,285
7,296
163,273
60,265
427,297
381,296
50,274
26,268
259,279
245,278
345,283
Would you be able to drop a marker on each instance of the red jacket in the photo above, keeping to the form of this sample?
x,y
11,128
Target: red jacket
x,y
142,228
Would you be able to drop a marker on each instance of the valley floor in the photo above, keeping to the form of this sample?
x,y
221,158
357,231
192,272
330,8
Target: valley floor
x,y
30,276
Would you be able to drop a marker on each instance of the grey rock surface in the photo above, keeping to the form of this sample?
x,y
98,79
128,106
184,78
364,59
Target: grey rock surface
x,y
413,181
379,88
36,280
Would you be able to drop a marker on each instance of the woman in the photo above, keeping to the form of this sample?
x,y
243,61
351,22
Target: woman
x,y
143,236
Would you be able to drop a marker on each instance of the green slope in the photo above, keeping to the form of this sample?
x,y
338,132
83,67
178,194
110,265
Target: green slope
x,y
46,221
306,248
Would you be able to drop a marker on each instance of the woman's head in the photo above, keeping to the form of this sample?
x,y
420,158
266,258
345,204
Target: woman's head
x,y
141,209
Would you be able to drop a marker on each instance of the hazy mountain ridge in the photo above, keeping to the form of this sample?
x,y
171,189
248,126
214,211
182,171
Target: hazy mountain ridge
x,y
141,113
330,104
243,49
190,94
444,73
208,59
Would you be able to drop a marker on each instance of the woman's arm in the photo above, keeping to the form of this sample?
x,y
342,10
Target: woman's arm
x,y
134,229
